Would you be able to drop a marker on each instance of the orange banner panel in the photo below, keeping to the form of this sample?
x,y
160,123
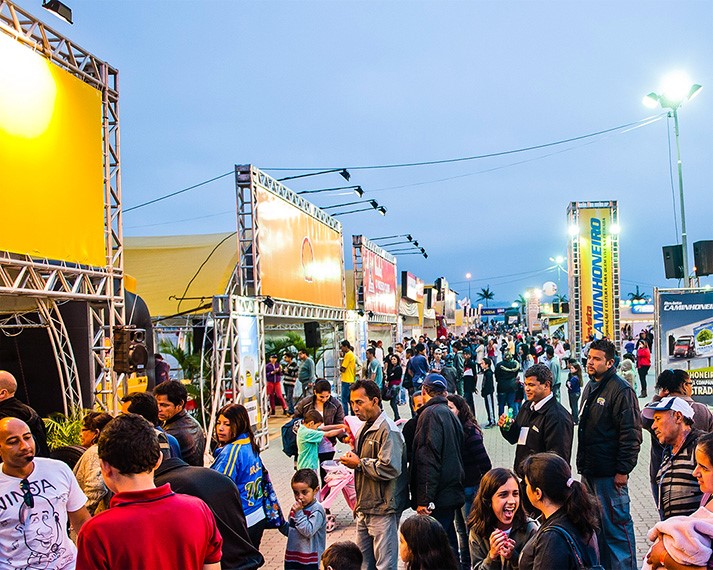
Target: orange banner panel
x,y
51,171
300,257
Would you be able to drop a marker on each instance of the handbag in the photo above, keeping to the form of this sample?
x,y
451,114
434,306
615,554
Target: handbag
x,y
574,548
270,504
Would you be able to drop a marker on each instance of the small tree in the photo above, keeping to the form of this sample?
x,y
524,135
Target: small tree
x,y
638,295
485,295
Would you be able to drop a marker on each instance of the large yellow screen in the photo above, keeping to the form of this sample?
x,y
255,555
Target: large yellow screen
x,y
51,180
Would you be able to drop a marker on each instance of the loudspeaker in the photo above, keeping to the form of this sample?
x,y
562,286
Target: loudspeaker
x,y
313,337
703,257
673,261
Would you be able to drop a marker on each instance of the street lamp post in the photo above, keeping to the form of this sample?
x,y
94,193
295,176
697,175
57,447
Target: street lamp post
x,y
677,90
467,321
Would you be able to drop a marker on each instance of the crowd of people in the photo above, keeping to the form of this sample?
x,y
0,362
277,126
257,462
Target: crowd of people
x,y
120,499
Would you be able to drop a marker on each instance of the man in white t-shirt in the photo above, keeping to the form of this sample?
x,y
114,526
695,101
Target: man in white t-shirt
x,y
37,495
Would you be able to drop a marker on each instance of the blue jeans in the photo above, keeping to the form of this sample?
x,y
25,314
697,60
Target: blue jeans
x,y
378,540
446,516
505,398
617,544
346,391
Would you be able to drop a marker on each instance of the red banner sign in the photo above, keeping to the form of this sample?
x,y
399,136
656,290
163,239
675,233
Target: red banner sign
x,y
379,283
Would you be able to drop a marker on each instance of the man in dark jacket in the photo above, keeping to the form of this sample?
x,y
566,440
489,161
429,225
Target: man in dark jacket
x,y
608,449
542,424
171,397
437,468
223,498
11,407
506,377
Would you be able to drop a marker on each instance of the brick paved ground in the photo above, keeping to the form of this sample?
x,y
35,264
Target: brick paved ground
x,y
501,453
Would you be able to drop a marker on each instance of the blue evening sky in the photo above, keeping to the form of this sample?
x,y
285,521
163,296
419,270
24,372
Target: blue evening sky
x,y
208,84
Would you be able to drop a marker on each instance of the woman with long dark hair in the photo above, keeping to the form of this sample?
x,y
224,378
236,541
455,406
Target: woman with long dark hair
x,y
498,525
574,388
392,386
476,463
238,457
567,538
423,545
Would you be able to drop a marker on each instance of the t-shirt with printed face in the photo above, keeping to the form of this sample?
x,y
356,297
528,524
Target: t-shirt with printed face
x,y
36,537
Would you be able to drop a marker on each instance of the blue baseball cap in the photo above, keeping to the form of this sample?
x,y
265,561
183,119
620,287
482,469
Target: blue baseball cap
x,y
435,380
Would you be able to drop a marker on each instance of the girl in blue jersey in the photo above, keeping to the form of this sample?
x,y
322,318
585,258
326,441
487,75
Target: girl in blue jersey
x,y
238,457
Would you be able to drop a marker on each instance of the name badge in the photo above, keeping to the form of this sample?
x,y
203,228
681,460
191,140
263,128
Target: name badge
x,y
523,436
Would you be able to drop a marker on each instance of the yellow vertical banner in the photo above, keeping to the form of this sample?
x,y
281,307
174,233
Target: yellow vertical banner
x,y
596,273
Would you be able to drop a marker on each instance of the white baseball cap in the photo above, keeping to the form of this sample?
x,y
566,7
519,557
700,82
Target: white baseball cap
x,y
669,403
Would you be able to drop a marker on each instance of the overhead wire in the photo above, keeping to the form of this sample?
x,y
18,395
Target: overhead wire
x,y
623,128
479,156
177,192
670,175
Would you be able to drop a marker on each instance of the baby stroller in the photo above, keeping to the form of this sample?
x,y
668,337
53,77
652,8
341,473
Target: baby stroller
x,y
339,480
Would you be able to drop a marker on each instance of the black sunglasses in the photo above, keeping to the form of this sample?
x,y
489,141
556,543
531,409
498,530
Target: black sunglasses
x,y
26,493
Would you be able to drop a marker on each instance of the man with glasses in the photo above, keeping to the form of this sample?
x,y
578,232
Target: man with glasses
x,y
38,495
673,383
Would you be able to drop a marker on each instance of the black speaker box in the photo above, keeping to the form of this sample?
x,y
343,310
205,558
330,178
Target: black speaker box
x,y
673,261
313,337
703,257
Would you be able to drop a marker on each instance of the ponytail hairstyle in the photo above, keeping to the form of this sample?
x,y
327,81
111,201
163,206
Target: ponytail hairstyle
x,y
551,474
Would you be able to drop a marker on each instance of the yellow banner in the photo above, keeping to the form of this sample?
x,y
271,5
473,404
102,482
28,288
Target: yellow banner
x,y
596,273
51,173
300,257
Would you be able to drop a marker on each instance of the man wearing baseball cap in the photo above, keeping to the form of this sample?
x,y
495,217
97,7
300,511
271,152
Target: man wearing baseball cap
x,y
437,466
679,493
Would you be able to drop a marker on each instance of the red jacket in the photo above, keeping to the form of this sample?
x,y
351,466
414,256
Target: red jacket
x,y
643,357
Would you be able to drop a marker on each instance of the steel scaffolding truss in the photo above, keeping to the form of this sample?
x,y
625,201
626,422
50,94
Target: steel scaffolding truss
x,y
575,268
50,281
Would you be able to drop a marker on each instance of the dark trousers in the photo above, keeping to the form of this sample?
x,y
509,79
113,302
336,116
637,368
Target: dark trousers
x,y
446,516
255,532
395,407
574,405
490,407
643,371
468,395
289,397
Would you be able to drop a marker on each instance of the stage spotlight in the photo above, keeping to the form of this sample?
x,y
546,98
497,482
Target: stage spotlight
x,y
358,191
345,174
371,314
360,312
62,11
269,302
381,210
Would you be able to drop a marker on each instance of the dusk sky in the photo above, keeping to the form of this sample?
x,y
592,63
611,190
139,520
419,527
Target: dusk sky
x,y
205,85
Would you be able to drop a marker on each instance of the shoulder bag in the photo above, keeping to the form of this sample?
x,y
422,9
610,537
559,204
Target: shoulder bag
x,y
574,548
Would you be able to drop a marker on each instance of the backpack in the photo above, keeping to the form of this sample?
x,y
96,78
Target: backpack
x,y
289,437
575,549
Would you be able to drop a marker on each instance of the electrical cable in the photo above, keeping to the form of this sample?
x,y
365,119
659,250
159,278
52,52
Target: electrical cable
x,y
624,128
670,175
172,194
480,156
504,166
221,242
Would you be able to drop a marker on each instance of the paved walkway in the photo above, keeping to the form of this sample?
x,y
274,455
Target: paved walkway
x,y
501,454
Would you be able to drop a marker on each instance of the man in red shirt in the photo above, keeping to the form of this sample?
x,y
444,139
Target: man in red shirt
x,y
143,516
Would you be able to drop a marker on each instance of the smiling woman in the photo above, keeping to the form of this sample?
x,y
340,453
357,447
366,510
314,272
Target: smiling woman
x,y
498,525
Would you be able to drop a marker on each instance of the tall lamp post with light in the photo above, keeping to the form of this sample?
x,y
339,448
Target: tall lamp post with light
x,y
677,89
467,321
